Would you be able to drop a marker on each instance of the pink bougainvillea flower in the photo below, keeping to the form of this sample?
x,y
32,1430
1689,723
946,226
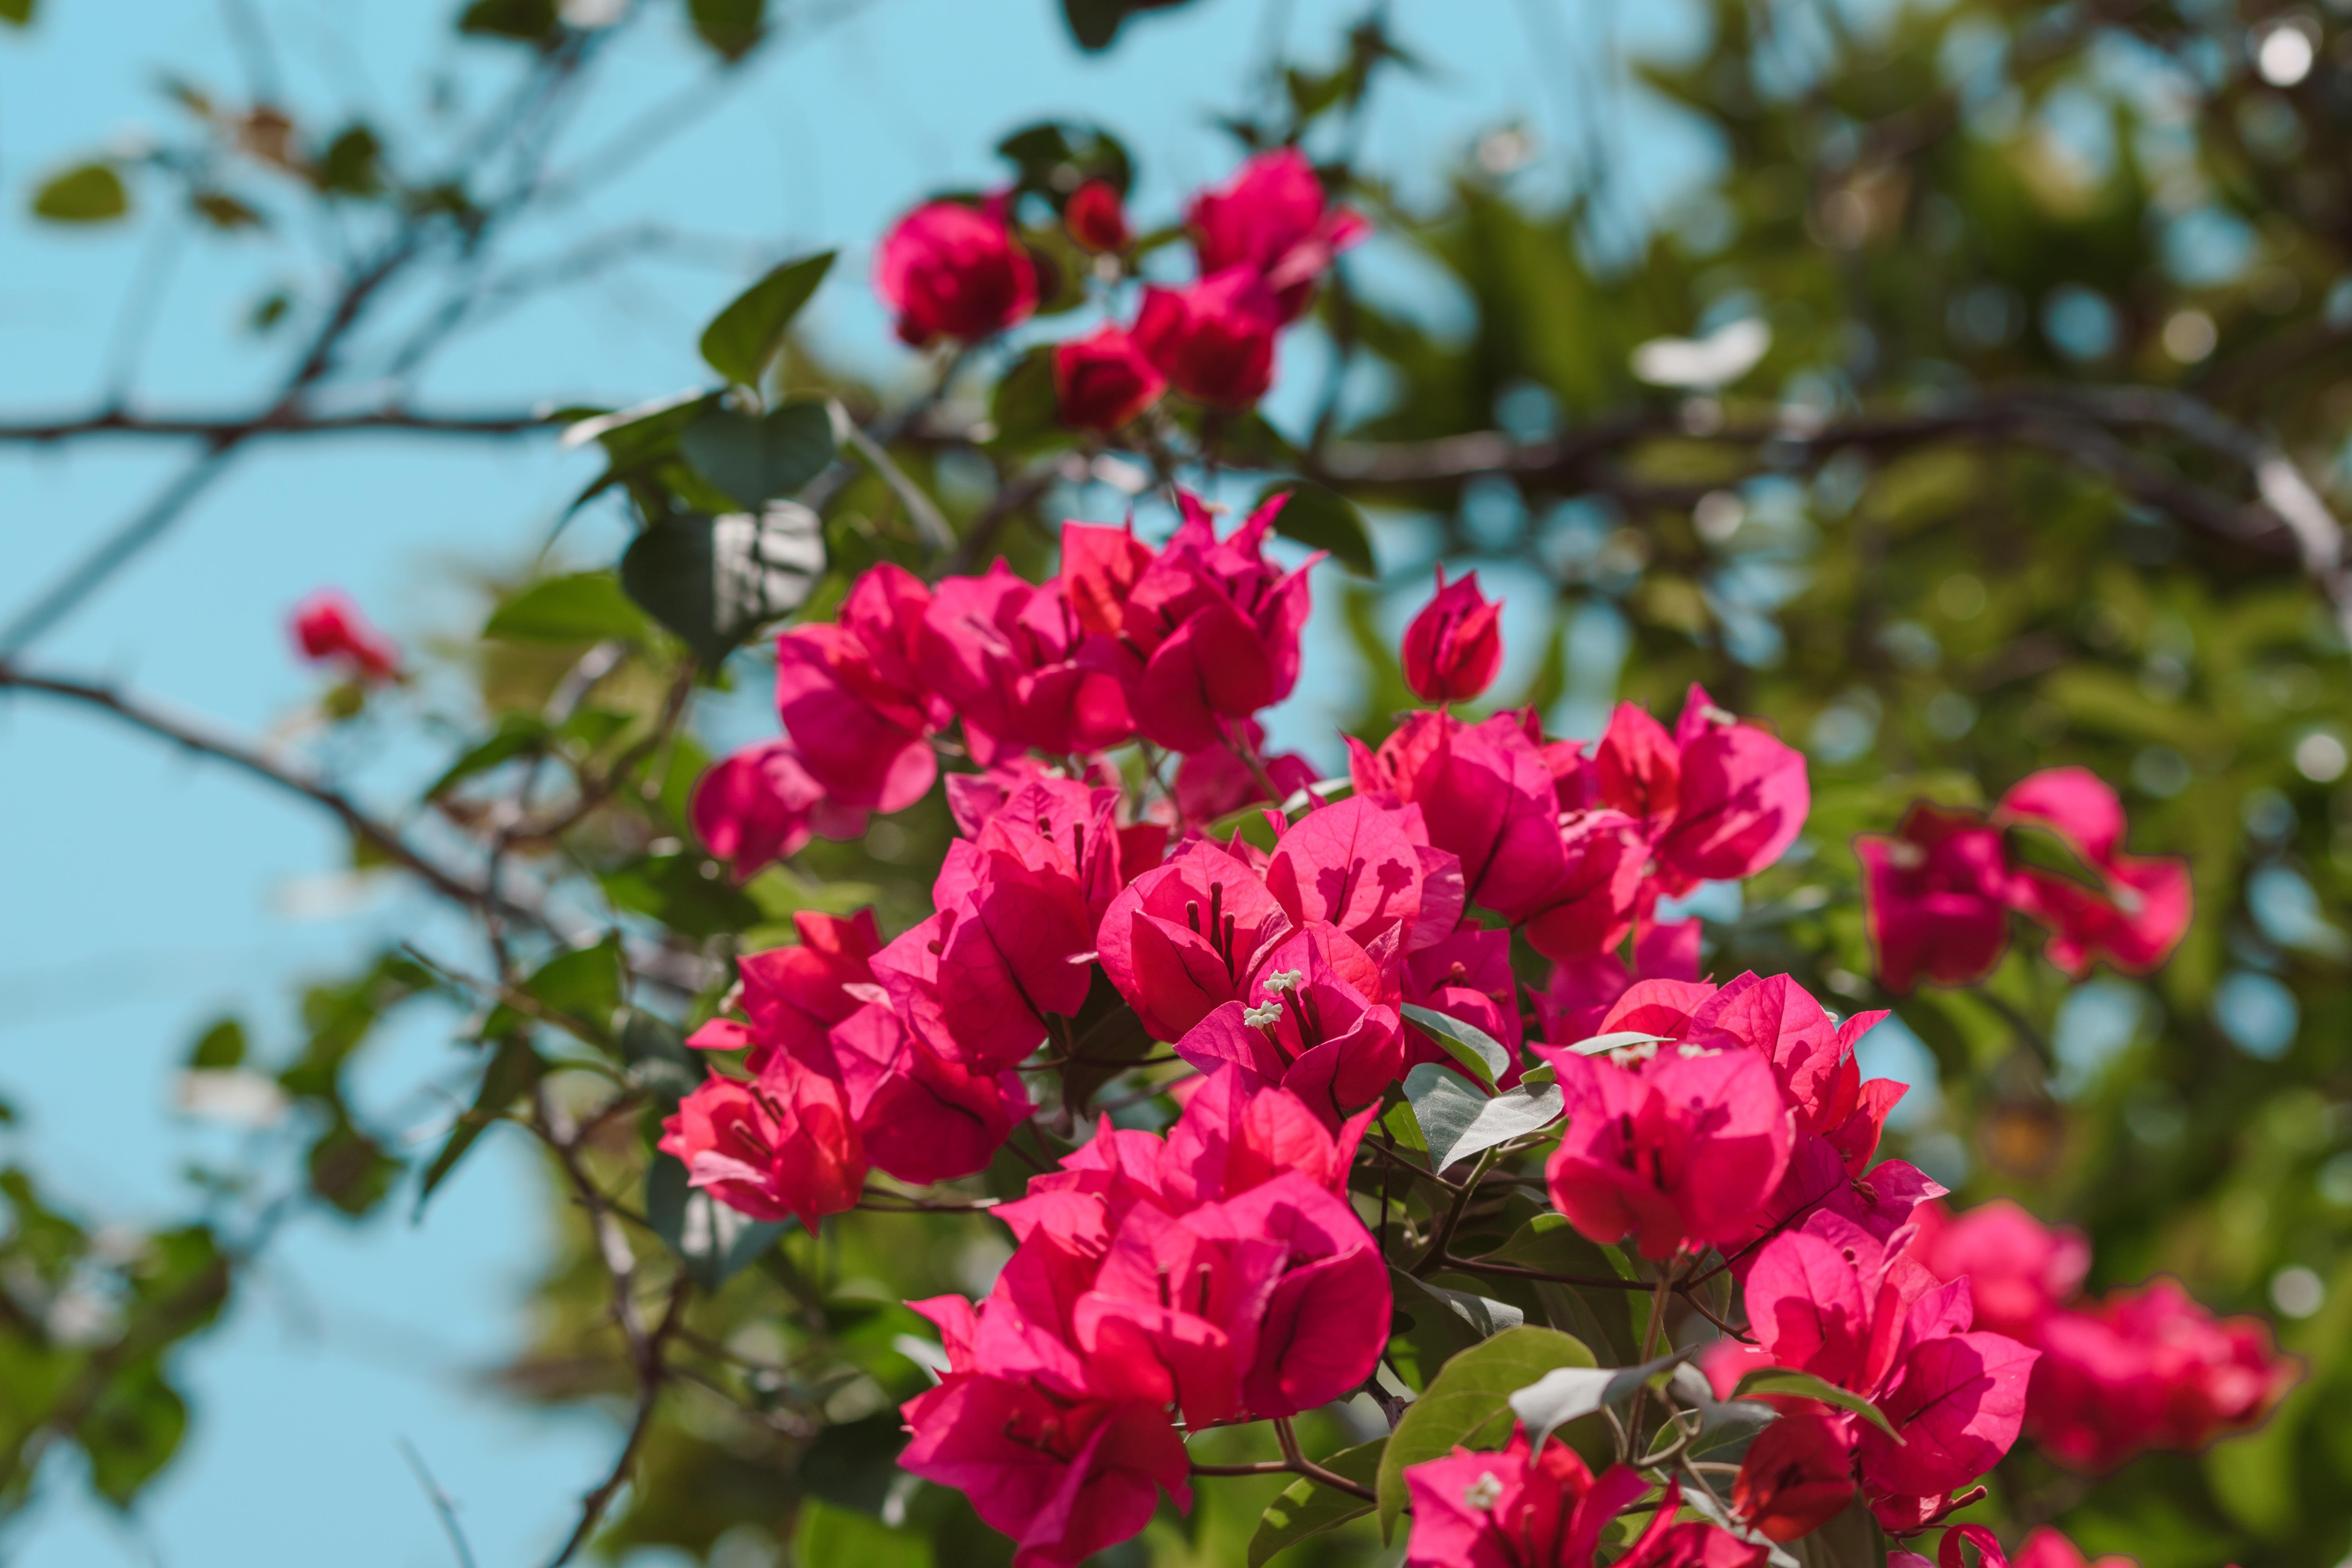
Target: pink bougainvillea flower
x,y
328,628
2134,917
1100,567
1261,1305
785,1146
1831,1298
760,806
1590,909
851,698
1307,1024
1352,864
1212,340
949,271
1676,1145
2047,1548
1937,895
2150,1368
793,994
1467,975
1796,1477
1273,219
1216,627
1486,794
1716,799
1063,1477
1811,1053
1188,936
1102,381
1512,1509
1453,646
1210,785
1010,930
1095,217
2019,1269
1008,656
1236,1132
924,1117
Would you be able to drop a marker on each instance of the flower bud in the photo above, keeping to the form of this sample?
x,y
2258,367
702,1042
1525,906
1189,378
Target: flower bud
x,y
1455,645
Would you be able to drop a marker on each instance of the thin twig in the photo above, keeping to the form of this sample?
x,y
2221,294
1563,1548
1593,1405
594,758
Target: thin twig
x,y
443,1506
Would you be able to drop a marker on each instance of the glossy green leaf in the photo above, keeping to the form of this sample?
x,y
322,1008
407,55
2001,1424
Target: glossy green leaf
x,y
1322,519
1566,1393
742,338
1471,1046
1468,1405
714,580
1307,1508
87,193
1805,1385
1457,1121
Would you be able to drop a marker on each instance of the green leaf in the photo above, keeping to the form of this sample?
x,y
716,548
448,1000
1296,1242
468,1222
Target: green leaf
x,y
1458,1122
660,1062
713,1241
1322,519
1307,1507
351,1169
528,21
1805,1385
587,607
518,734
352,164
831,1535
673,889
582,985
513,1068
731,27
1616,1040
742,338
16,13
1471,1046
1442,1323
1464,1401
1025,409
714,580
1057,156
133,1428
1566,1393
218,1049
224,211
87,193
756,459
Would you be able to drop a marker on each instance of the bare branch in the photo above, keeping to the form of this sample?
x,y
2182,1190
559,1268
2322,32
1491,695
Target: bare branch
x,y
222,429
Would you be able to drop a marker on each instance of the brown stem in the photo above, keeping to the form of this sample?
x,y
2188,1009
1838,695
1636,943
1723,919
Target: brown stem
x,y
1298,1460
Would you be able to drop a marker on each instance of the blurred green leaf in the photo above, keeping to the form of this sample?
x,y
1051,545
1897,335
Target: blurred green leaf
x,y
742,338
713,1241
757,458
714,580
586,606
731,27
528,21
219,1047
513,1068
1323,519
87,193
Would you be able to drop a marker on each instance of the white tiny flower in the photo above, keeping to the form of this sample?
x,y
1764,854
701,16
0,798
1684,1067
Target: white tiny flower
x,y
1263,1017
1483,1492
1283,980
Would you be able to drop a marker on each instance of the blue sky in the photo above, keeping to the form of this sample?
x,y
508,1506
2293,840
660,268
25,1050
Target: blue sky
x,y
146,893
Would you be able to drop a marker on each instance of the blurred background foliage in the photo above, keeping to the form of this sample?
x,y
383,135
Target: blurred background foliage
x,y
2034,466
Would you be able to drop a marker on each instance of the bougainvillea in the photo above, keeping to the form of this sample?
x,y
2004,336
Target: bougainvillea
x,y
1385,1010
